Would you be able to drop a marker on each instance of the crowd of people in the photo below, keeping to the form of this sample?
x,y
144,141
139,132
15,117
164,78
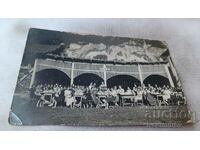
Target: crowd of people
x,y
54,95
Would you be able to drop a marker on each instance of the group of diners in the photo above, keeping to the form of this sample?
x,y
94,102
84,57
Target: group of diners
x,y
54,95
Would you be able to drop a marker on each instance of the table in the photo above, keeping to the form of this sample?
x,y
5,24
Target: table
x,y
125,97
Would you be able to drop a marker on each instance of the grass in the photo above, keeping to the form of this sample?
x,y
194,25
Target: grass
x,y
169,116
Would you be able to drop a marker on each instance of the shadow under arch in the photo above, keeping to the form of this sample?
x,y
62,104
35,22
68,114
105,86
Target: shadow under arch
x,y
123,80
86,78
52,76
156,80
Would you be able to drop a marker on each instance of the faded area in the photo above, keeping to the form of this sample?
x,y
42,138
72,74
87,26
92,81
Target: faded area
x,y
122,52
181,35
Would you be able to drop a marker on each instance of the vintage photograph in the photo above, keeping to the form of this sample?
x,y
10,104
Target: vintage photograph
x,y
93,80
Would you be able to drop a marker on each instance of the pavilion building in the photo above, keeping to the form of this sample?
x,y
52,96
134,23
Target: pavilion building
x,y
75,71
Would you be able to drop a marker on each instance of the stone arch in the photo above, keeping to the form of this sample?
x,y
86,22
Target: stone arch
x,y
52,76
123,80
110,75
85,79
64,70
80,72
156,79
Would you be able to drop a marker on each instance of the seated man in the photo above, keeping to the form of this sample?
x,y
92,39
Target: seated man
x,y
54,101
61,99
115,95
42,101
56,94
87,98
90,86
37,93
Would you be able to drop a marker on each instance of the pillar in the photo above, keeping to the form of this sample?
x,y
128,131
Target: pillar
x,y
169,75
171,65
33,73
72,74
104,74
140,74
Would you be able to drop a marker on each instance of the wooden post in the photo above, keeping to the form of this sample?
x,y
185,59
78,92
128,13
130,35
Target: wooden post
x,y
72,74
169,75
104,75
171,65
33,73
140,75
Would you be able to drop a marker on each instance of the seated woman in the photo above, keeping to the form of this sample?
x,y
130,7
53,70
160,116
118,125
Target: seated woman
x,y
145,97
78,94
166,96
138,97
128,91
78,91
120,90
69,98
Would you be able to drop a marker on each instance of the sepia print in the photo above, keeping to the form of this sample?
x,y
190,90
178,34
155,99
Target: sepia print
x,y
92,80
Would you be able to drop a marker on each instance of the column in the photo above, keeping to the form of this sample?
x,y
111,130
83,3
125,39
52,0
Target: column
x,y
104,74
33,74
72,74
169,75
140,74
171,65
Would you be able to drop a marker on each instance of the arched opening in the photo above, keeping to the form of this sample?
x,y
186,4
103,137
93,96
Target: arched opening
x,y
123,80
156,80
52,76
86,78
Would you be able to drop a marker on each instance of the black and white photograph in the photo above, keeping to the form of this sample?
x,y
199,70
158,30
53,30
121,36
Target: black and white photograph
x,y
77,79
92,74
